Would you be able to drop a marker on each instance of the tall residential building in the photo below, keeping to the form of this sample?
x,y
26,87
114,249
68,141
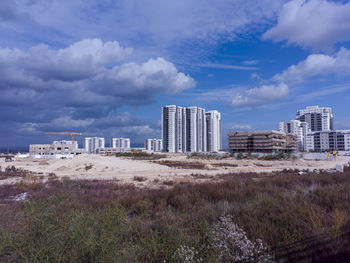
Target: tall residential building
x,y
328,140
318,118
120,143
185,129
214,140
153,145
94,143
173,128
196,131
298,128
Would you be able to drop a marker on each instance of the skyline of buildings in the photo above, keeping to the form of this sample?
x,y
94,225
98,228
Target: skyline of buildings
x,y
192,129
186,129
314,129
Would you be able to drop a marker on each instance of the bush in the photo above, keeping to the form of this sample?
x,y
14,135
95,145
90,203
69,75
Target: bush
x,y
140,178
88,167
232,244
12,171
141,155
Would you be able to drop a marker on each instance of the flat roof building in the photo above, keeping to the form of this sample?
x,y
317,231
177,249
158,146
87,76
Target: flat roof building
x,y
262,141
55,150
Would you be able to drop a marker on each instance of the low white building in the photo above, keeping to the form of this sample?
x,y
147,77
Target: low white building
x,y
94,143
120,143
58,149
153,145
328,140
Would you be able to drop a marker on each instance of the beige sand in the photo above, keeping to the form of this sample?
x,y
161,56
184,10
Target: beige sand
x,y
124,170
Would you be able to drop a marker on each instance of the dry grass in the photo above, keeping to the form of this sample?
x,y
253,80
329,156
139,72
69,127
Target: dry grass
x,y
183,164
300,218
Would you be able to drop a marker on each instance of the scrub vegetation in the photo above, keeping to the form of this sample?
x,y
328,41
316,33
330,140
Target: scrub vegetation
x,y
245,218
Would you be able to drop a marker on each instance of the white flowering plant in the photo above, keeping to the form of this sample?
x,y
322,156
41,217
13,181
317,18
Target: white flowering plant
x,y
232,244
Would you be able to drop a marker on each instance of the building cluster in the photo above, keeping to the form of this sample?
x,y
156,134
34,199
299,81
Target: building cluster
x,y
311,130
68,149
190,129
314,129
97,145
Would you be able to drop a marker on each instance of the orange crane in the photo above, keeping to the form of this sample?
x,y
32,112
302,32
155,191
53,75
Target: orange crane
x,y
66,133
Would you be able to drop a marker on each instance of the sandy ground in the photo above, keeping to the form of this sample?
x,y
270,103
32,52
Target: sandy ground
x,y
124,170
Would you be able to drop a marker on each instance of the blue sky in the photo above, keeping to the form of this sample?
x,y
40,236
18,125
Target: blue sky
x,y
106,67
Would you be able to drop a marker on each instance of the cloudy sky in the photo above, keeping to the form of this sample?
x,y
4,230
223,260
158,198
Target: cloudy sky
x,y
105,67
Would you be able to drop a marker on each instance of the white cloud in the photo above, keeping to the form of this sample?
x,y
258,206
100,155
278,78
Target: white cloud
x,y
225,66
260,95
85,69
240,127
317,65
317,24
250,62
78,61
68,122
153,76
153,27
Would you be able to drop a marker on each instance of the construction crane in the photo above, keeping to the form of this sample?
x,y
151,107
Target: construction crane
x,y
66,133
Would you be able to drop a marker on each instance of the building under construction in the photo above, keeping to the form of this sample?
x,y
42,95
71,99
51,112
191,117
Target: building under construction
x,y
57,149
262,142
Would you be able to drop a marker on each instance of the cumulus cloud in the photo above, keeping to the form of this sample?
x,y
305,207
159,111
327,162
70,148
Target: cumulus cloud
x,y
79,86
76,62
153,76
82,69
317,24
317,65
260,95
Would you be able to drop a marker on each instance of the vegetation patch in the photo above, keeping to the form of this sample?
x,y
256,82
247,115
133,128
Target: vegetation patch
x,y
88,167
140,178
206,156
12,171
141,155
183,164
283,217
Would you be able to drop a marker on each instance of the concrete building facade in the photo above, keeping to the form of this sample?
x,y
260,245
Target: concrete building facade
x,y
214,140
122,143
318,118
319,141
262,142
185,129
57,149
153,145
173,128
93,143
196,130
298,128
